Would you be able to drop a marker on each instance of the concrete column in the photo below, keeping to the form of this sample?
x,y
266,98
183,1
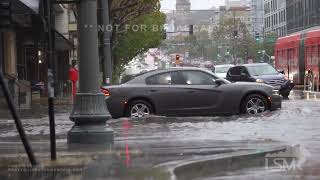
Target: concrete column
x,y
90,112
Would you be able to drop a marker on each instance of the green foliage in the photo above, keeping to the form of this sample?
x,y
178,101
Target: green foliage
x,y
139,34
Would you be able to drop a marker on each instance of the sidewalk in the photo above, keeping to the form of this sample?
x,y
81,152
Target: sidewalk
x,y
305,94
128,159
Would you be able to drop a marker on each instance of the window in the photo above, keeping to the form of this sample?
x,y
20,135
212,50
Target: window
x,y
72,18
198,78
164,79
236,71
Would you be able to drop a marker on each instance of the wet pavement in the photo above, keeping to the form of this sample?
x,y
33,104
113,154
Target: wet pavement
x,y
181,137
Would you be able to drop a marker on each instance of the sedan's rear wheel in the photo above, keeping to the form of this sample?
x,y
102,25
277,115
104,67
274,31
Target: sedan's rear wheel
x,y
255,104
139,109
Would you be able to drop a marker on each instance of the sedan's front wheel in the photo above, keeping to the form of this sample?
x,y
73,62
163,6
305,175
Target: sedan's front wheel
x,y
139,109
255,104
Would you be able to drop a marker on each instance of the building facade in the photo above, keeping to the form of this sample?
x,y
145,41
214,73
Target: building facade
x,y
257,16
183,5
275,17
23,49
178,22
236,3
241,13
302,14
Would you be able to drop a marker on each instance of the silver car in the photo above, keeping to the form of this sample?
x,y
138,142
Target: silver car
x,y
221,70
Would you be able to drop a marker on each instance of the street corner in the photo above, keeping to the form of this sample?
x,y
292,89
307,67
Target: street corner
x,y
304,95
218,165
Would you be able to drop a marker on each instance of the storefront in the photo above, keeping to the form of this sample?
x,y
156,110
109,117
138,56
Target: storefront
x,y
23,54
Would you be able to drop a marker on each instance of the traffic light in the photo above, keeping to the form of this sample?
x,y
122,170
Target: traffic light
x,y
191,30
177,59
164,34
228,52
257,37
235,33
5,13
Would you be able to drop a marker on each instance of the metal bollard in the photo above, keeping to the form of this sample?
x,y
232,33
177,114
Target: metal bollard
x,y
318,80
313,84
305,82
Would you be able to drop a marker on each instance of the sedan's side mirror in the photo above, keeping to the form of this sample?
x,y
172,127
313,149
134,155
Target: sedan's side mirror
x,y
281,72
219,82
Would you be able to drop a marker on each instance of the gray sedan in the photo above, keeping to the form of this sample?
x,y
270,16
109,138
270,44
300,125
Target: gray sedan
x,y
188,92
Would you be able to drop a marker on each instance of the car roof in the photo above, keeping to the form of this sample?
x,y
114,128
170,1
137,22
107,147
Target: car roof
x,y
224,65
254,64
140,78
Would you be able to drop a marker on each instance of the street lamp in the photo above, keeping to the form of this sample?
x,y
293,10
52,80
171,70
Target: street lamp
x,y
90,112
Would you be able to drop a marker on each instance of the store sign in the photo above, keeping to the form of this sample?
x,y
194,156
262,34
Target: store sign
x,y
32,4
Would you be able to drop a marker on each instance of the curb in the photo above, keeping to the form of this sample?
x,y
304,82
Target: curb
x,y
211,166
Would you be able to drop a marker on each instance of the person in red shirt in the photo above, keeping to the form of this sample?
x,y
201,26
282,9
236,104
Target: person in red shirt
x,y
74,76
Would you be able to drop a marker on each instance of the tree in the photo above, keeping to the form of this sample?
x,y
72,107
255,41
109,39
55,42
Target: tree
x,y
231,35
269,42
134,42
127,40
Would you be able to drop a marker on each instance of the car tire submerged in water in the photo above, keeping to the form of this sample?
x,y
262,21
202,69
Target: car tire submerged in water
x,y
139,108
254,104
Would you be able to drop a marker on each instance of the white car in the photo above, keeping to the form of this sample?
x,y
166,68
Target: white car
x,y
221,70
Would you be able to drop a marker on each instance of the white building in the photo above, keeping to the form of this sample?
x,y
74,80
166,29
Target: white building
x,y
237,3
275,17
256,18
178,21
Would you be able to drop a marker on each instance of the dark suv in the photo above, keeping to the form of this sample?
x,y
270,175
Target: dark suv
x,y
261,73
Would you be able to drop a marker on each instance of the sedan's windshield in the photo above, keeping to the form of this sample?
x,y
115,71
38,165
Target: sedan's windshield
x,y
262,70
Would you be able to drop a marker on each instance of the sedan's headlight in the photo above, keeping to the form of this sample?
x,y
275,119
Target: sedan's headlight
x,y
275,92
259,81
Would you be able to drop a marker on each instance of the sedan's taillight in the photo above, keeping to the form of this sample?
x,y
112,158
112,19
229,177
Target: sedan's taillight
x,y
105,92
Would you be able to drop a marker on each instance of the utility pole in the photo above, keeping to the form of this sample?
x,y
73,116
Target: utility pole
x,y
106,42
90,112
235,35
51,53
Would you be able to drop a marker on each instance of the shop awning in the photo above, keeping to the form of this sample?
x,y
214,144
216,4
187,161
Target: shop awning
x,y
62,43
32,4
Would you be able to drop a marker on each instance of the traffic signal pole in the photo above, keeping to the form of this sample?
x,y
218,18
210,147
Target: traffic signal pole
x,y
106,42
51,53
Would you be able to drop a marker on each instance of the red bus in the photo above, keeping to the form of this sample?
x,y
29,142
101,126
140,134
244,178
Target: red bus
x,y
297,53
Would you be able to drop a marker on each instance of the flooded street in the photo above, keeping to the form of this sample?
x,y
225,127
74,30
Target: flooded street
x,y
297,123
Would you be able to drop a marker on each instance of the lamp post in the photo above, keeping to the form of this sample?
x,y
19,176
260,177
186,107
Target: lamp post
x,y
90,112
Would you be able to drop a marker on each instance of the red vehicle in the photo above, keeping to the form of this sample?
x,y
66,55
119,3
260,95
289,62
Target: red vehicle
x,y
298,53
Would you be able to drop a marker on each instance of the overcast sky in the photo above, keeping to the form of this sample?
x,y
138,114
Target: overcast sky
x,y
195,4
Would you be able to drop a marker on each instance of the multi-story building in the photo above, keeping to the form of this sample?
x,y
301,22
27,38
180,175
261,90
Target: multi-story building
x,y
179,21
302,14
241,13
275,17
257,15
236,3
